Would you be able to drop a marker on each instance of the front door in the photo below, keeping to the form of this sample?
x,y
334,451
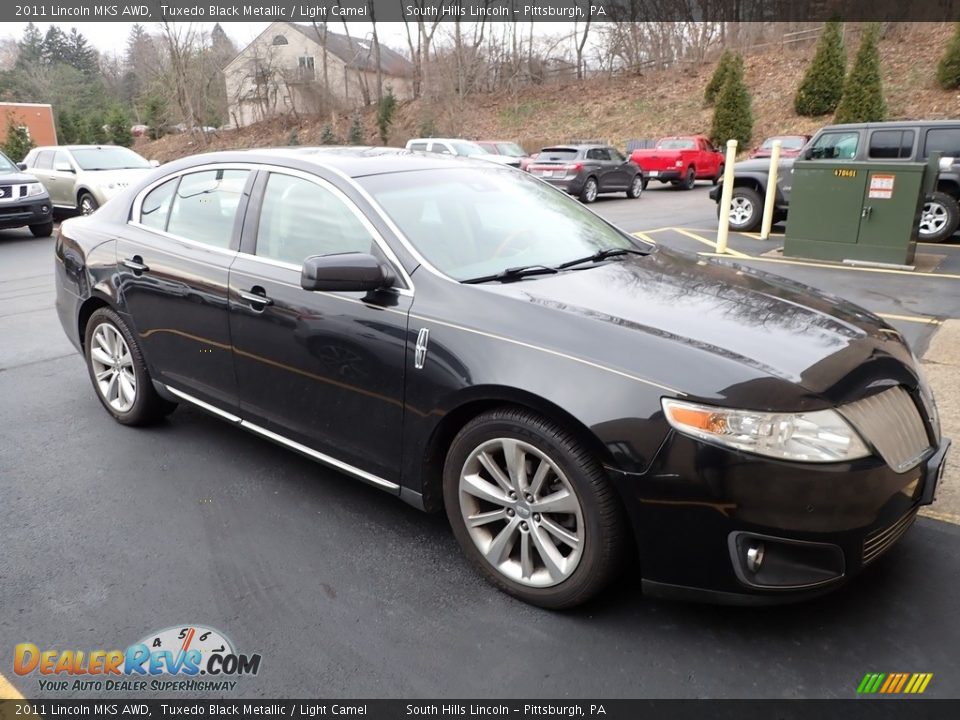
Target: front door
x,y
173,266
322,369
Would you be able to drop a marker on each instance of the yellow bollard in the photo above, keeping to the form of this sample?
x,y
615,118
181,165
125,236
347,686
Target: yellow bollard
x,y
770,200
723,229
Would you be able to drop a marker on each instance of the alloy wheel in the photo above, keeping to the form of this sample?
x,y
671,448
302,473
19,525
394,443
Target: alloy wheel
x,y
521,512
933,218
113,370
591,193
637,187
87,206
741,210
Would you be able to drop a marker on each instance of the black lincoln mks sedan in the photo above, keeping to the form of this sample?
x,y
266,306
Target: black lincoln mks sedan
x,y
472,340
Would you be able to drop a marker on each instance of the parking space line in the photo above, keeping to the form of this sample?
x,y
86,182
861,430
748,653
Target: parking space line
x,y
912,318
643,236
8,691
941,516
803,263
710,243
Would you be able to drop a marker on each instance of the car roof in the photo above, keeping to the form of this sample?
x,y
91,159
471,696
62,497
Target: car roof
x,y
893,124
440,139
81,147
352,161
584,146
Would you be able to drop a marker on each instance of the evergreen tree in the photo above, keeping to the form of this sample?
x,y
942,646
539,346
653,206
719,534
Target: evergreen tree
x,y
355,135
67,131
294,137
862,99
118,127
822,86
54,47
948,71
719,77
154,115
328,136
733,115
79,54
385,111
18,142
30,49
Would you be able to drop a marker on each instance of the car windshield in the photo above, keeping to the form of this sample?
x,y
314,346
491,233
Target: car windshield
x,y
511,149
787,143
474,222
468,148
108,158
677,144
6,165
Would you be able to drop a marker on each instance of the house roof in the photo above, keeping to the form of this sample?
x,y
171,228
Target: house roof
x,y
358,53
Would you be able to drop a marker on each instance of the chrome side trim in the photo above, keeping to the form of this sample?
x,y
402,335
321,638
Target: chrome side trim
x,y
230,417
325,459
370,478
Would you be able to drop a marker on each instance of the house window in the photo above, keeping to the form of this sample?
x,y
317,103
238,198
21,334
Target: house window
x,y
305,67
279,40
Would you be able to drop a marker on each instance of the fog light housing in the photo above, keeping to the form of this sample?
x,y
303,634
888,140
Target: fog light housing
x,y
762,561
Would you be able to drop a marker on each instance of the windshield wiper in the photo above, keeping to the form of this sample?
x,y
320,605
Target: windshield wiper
x,y
601,255
513,273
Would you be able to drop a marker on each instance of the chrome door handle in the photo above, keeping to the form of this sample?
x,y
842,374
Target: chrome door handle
x,y
136,264
255,299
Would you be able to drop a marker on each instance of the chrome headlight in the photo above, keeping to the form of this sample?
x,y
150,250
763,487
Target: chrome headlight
x,y
35,188
821,436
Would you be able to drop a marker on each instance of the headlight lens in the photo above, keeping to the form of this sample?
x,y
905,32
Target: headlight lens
x,y
822,436
35,188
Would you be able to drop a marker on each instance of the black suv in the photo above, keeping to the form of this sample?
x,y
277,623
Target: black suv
x,y
588,170
882,142
23,200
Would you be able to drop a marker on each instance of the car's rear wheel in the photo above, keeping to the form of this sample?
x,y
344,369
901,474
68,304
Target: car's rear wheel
x,y
939,219
42,229
636,186
589,192
690,179
532,508
87,203
118,372
746,209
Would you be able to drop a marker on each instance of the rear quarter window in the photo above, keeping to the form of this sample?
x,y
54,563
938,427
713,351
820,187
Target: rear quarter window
x,y
942,140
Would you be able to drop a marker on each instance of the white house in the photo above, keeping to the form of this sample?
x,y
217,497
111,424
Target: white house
x,y
282,71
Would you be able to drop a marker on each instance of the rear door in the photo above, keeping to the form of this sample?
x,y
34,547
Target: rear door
x,y
63,180
41,166
322,370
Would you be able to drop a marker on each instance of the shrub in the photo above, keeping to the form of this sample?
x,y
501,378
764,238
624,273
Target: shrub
x,y
733,115
822,86
355,134
862,99
328,136
18,142
715,85
948,71
385,113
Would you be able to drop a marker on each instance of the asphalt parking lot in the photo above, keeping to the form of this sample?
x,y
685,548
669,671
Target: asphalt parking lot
x,y
110,533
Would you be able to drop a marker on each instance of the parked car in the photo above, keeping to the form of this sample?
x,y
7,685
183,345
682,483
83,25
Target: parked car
x,y
506,149
681,161
790,146
905,141
84,177
588,171
561,390
460,148
139,130
24,200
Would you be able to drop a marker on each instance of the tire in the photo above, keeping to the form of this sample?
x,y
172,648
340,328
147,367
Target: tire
x,y
637,184
590,515
590,190
746,209
105,356
645,182
716,179
42,230
87,204
939,219
690,179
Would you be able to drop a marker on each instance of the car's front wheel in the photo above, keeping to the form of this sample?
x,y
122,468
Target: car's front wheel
x,y
939,219
118,372
636,186
746,209
87,203
532,508
589,192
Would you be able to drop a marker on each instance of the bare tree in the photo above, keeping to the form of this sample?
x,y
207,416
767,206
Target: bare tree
x,y
180,42
580,45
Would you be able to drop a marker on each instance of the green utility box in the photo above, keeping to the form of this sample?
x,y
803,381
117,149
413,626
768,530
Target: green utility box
x,y
868,211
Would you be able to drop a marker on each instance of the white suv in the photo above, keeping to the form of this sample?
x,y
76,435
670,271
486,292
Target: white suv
x,y
460,148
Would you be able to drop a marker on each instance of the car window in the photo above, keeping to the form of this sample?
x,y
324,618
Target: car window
x,y
677,144
468,149
597,154
440,148
511,149
44,160
835,146
942,140
205,205
418,146
489,147
60,159
615,155
557,154
300,219
155,208
891,144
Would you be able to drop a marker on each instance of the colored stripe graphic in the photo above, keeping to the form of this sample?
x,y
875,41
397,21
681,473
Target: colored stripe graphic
x,y
894,683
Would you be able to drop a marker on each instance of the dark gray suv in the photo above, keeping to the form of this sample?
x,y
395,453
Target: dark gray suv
x,y
903,141
588,170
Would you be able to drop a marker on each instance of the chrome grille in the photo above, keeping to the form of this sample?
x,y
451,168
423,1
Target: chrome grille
x,y
880,540
891,423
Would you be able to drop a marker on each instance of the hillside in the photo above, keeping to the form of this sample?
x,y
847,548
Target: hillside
x,y
621,108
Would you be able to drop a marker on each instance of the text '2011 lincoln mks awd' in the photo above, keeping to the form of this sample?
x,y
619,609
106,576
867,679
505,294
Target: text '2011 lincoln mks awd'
x,y
470,339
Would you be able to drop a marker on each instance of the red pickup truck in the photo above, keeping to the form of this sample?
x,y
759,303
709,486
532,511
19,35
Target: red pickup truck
x,y
680,161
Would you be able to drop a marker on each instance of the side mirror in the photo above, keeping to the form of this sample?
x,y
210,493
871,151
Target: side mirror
x,y
808,154
344,272
154,163
21,166
64,167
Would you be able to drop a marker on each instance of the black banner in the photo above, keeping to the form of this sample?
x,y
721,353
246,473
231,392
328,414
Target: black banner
x,y
75,11
854,709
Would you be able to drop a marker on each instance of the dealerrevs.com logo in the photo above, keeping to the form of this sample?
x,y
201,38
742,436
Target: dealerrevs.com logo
x,y
177,659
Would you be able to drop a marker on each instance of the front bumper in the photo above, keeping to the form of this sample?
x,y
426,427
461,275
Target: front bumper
x,y
700,509
35,211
